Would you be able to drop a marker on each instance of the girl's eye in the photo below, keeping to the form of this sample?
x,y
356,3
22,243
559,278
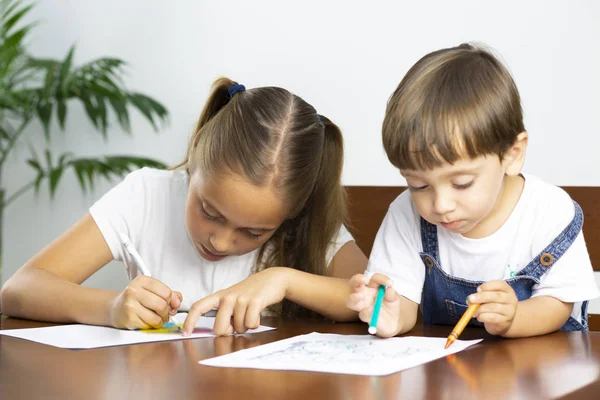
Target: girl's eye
x,y
253,235
417,188
208,216
464,186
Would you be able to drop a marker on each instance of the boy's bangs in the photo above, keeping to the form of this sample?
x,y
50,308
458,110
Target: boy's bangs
x,y
436,141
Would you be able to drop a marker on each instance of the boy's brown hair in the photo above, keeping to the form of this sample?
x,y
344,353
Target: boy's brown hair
x,y
453,103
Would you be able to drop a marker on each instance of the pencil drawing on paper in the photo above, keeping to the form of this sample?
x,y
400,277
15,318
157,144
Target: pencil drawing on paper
x,y
337,351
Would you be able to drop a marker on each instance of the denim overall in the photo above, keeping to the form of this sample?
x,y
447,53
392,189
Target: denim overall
x,y
444,296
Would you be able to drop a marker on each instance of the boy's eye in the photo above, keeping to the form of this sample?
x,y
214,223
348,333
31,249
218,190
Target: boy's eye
x,y
417,188
464,186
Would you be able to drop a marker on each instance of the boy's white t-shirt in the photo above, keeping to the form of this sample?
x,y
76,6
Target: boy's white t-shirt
x,y
149,207
541,214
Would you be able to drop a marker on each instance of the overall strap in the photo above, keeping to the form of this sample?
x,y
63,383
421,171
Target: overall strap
x,y
429,239
552,253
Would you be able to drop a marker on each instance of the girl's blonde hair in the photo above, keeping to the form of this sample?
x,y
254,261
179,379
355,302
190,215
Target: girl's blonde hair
x,y
453,103
272,137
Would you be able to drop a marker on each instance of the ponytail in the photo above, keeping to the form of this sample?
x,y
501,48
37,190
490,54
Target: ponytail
x,y
219,97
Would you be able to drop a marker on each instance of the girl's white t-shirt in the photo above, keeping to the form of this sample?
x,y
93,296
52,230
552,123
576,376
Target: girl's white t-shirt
x,y
149,207
542,212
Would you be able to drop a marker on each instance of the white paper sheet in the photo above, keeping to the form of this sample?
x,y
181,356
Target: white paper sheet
x,y
343,354
90,336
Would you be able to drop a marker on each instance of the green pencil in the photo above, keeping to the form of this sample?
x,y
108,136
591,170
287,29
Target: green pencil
x,y
376,308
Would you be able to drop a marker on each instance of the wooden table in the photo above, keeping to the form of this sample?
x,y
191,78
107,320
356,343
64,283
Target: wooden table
x,y
560,364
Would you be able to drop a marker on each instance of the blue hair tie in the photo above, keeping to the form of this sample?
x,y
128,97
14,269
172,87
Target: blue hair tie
x,y
236,88
320,117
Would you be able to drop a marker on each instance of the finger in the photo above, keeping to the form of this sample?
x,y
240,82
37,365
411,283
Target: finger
x,y
239,314
150,318
197,309
175,303
356,301
380,279
391,295
154,303
493,308
224,314
365,314
132,319
253,314
157,287
490,318
495,285
358,281
489,297
176,300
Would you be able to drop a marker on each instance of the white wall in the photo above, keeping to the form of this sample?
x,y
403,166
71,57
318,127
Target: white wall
x,y
343,57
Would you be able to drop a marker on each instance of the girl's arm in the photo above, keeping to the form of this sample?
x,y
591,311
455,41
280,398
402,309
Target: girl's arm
x,y
327,294
241,304
48,287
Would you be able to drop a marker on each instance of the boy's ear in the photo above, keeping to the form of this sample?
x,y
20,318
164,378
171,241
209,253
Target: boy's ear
x,y
515,157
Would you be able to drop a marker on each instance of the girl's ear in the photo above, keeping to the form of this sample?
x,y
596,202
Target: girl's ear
x,y
515,157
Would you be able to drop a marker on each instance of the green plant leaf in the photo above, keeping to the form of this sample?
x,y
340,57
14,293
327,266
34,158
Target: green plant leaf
x,y
44,112
89,169
8,8
61,110
64,78
14,18
4,135
120,110
148,107
86,99
35,164
55,176
17,38
102,115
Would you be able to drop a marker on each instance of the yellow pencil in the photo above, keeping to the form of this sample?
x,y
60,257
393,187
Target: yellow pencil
x,y
464,320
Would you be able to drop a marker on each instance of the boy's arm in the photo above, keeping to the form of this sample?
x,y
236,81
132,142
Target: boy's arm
x,y
503,314
538,316
408,315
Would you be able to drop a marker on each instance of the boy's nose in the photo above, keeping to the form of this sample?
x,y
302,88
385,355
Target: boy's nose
x,y
443,204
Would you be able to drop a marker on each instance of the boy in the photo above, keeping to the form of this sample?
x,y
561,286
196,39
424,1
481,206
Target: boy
x,y
471,224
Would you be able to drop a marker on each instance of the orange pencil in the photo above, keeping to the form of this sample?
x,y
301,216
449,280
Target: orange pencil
x,y
464,320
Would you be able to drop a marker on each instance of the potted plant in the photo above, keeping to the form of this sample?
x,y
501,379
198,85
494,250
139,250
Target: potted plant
x,y
42,89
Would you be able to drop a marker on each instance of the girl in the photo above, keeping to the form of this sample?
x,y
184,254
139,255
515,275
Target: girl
x,y
253,216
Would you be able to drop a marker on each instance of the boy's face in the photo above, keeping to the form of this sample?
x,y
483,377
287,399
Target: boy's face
x,y
226,215
465,197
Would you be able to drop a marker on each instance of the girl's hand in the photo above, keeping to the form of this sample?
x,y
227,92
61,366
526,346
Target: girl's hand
x,y
362,299
145,303
240,305
498,306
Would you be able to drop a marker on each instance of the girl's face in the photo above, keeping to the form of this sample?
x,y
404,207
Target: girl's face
x,y
226,215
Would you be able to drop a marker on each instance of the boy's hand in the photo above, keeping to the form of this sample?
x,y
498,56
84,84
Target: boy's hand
x,y
498,306
362,299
